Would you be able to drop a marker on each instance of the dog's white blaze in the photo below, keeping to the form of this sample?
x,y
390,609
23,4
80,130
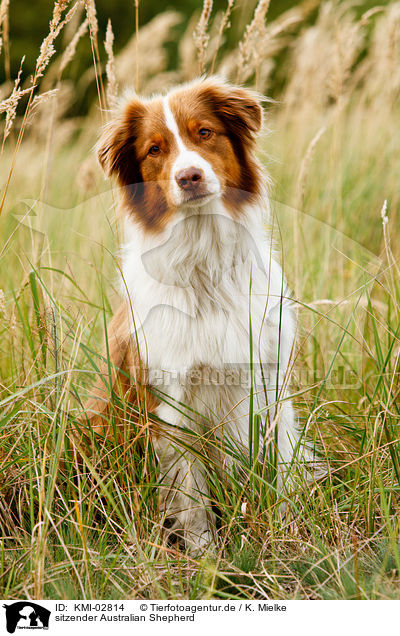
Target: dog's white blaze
x,y
187,158
172,125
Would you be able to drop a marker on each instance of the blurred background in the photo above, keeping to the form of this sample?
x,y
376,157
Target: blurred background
x,y
29,21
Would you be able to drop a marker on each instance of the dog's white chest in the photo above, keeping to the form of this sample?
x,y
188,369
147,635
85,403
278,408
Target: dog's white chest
x,y
197,294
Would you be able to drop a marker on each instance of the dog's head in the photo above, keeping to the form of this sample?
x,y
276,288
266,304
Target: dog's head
x,y
183,149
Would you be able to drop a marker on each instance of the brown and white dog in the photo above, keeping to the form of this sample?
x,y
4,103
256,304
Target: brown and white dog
x,y
204,299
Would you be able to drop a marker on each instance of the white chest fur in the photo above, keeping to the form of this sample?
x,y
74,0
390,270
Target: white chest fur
x,y
198,288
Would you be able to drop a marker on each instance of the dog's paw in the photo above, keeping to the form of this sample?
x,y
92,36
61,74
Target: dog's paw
x,y
174,535
194,541
199,542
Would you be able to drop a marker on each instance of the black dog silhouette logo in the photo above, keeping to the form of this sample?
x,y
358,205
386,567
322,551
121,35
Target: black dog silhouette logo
x,y
26,615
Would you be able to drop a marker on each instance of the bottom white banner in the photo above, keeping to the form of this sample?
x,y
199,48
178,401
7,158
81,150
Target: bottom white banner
x,y
177,617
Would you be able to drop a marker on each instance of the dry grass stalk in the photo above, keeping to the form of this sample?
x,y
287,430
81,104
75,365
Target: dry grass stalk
x,y
137,44
9,106
291,18
3,13
225,24
187,51
47,49
94,29
201,37
302,178
112,87
2,302
365,18
4,34
277,37
50,126
73,25
379,72
394,270
71,48
92,17
349,39
254,31
6,104
323,60
38,100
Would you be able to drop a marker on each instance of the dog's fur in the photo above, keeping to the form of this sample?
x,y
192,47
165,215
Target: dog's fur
x,y
197,263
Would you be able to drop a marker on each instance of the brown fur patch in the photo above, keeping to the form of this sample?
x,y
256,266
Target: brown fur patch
x,y
123,395
122,152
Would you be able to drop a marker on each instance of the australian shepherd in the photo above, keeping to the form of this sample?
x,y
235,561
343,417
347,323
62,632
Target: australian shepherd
x,y
204,337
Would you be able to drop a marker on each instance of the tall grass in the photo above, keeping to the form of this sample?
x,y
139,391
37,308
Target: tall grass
x,y
80,524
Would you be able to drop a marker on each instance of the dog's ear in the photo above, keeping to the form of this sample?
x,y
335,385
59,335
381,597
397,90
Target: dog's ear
x,y
239,108
116,147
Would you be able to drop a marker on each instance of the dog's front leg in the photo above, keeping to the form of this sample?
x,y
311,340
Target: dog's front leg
x,y
183,497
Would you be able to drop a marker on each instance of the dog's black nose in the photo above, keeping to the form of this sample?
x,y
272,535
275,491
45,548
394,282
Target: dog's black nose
x,y
189,179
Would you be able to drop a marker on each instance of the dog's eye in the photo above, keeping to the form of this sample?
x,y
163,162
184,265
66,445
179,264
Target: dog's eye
x,y
154,150
205,133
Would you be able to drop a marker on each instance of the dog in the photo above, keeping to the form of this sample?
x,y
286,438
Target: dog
x,y
203,294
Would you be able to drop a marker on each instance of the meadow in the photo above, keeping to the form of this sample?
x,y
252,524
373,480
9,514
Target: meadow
x,y
76,524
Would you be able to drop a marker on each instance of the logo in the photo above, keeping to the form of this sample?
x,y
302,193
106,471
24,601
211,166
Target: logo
x,y
26,615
